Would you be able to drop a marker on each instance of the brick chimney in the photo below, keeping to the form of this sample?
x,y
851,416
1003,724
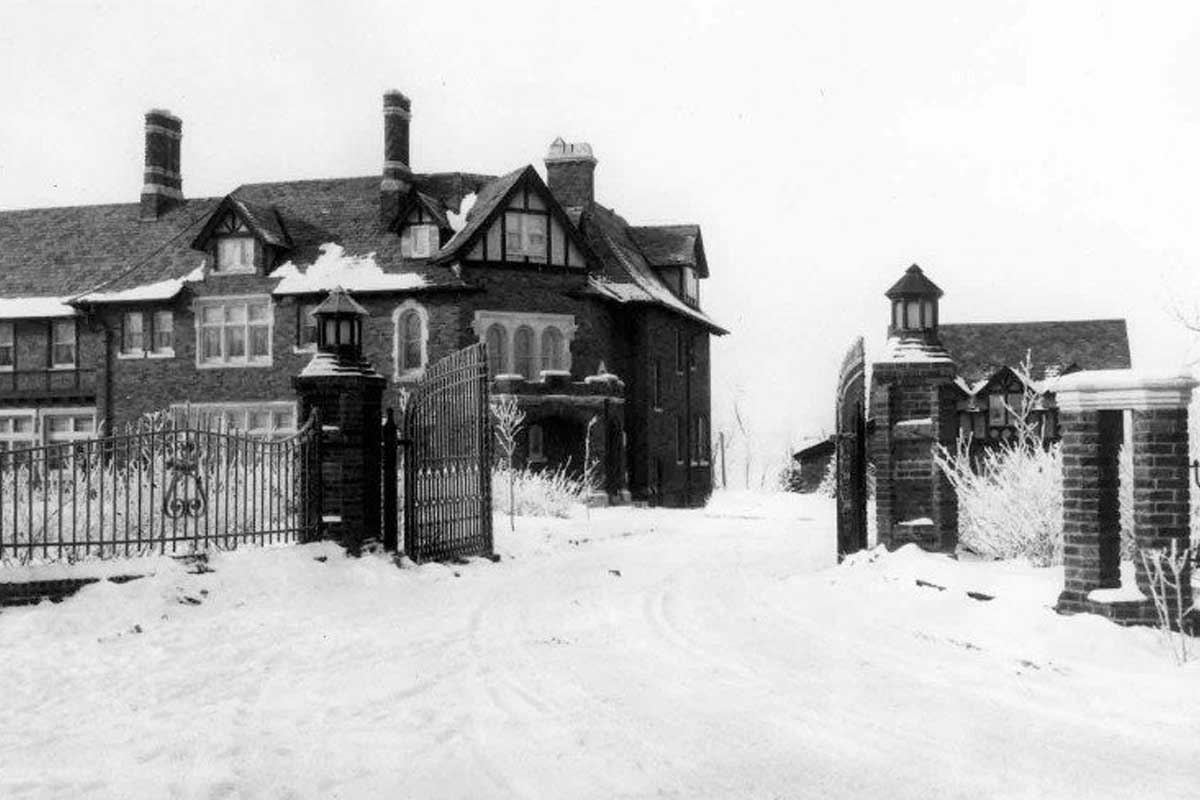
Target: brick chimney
x,y
162,184
570,172
397,174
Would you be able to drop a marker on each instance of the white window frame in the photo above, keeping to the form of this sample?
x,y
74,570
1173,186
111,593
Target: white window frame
x,y
223,301
8,341
39,431
511,321
220,268
54,344
419,240
409,373
186,411
690,282
140,352
154,351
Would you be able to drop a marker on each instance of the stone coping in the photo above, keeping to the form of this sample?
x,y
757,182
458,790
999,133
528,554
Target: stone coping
x,y
1118,389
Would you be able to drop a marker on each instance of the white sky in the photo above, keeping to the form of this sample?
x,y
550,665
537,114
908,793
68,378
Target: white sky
x,y
1038,159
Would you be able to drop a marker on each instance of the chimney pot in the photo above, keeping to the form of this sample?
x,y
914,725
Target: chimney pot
x,y
162,181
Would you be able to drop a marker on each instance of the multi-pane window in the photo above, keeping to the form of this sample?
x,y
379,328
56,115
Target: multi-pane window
x,y
306,327
8,346
235,254
234,332
410,340
1002,407
133,341
524,361
418,241
268,419
148,333
62,346
525,235
497,348
17,432
69,427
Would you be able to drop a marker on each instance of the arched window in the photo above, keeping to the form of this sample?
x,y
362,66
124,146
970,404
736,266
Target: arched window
x,y
411,336
523,352
497,349
552,348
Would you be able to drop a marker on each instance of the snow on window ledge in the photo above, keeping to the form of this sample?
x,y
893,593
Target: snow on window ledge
x,y
166,352
916,522
1121,594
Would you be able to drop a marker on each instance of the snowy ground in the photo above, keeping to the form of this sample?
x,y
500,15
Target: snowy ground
x,y
634,653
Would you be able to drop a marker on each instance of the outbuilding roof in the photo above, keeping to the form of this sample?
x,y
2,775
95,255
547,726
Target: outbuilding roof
x,y
980,349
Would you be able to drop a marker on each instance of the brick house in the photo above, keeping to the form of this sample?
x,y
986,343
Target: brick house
x,y
202,306
934,382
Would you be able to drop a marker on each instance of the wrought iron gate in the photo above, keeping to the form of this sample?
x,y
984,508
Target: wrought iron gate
x,y
447,460
851,453
162,487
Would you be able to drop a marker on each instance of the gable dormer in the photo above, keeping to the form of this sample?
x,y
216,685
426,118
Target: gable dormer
x,y
242,238
516,221
676,252
423,227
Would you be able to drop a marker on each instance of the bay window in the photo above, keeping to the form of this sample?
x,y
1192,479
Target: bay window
x,y
526,343
234,332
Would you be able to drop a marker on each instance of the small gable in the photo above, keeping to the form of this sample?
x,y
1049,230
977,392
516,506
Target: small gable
x,y
242,236
517,221
671,246
423,226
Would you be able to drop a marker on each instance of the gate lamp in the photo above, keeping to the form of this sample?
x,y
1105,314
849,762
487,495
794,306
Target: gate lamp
x,y
339,326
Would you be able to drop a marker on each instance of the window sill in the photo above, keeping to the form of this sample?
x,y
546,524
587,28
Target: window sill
x,y
220,273
63,368
161,353
311,348
234,365
130,356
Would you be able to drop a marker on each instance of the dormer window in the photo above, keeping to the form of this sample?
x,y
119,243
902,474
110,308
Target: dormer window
x,y
418,241
691,286
235,254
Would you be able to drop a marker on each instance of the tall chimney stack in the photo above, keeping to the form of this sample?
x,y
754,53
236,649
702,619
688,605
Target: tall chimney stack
x,y
570,173
162,184
397,173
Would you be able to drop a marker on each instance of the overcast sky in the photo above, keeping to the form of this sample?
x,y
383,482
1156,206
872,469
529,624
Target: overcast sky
x,y
1039,159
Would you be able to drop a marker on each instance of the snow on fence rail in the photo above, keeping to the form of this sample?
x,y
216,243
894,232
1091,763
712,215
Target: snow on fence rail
x,y
166,488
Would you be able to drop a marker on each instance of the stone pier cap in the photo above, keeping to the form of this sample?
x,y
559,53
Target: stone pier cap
x,y
1115,389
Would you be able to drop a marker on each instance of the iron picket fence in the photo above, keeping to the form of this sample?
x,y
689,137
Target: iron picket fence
x,y
168,489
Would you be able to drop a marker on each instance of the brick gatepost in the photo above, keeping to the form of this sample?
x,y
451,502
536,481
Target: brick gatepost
x,y
1092,406
347,394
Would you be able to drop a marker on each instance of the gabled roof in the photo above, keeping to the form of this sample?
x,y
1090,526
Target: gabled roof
x,y
311,213
491,202
980,349
626,275
263,222
430,204
671,246
913,283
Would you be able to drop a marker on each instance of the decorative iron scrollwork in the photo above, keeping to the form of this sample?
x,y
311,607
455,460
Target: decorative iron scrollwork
x,y
184,469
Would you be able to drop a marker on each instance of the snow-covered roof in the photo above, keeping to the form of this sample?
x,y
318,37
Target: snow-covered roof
x,y
335,268
161,290
908,350
35,307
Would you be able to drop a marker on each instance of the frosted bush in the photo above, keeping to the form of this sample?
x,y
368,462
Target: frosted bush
x,y
538,493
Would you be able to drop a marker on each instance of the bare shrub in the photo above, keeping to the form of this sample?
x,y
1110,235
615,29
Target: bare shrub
x,y
510,420
1167,571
